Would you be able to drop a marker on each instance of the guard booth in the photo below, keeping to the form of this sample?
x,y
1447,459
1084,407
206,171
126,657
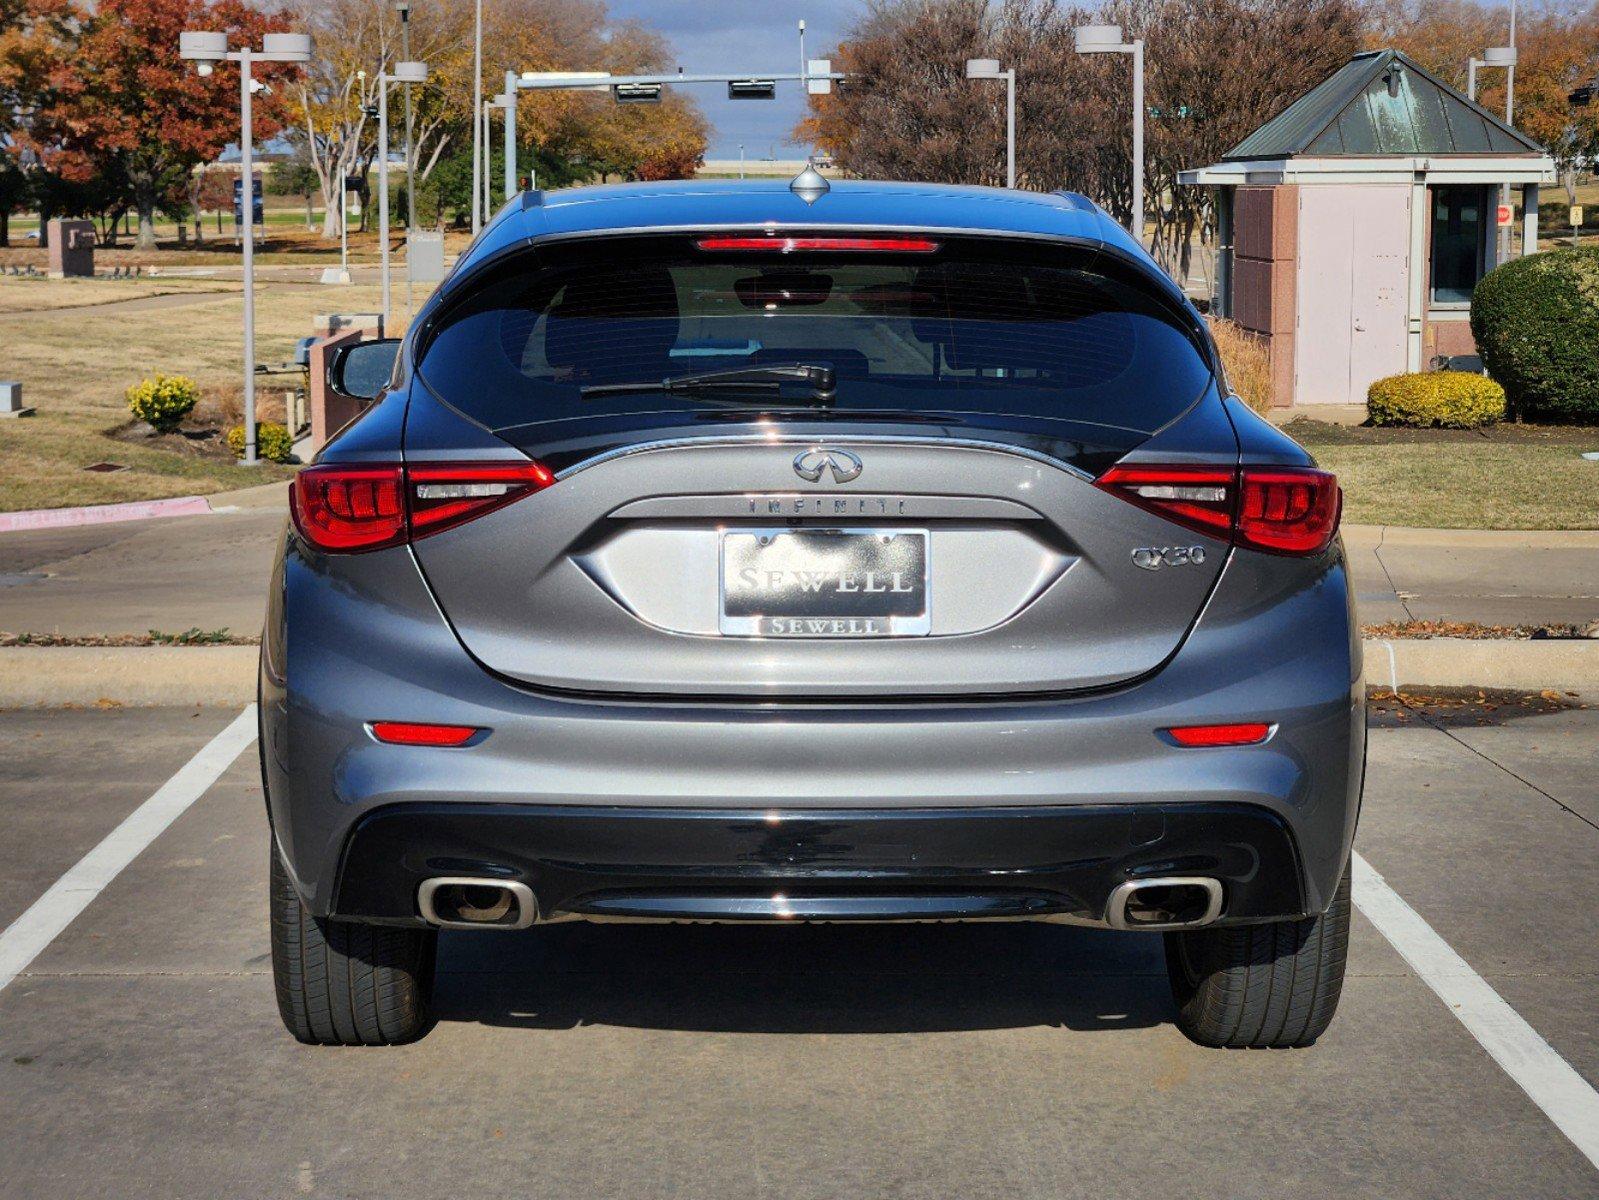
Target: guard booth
x,y
1353,226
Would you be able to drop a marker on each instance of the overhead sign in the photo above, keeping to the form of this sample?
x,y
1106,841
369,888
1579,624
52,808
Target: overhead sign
x,y
1507,215
813,68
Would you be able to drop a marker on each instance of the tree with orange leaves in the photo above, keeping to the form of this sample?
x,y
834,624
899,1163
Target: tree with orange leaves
x,y
124,105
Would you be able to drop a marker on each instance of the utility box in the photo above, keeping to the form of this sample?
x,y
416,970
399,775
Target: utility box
x,y
71,248
424,257
11,400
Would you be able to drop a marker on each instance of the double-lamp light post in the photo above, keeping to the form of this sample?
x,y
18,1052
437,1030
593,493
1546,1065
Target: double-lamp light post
x,y
406,73
206,50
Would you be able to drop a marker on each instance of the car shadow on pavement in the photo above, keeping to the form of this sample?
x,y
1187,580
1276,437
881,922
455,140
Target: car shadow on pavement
x,y
804,979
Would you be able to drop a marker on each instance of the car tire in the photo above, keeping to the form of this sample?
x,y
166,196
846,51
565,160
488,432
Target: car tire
x,y
1269,986
344,983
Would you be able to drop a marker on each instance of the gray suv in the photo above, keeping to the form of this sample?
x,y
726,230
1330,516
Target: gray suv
x,y
726,552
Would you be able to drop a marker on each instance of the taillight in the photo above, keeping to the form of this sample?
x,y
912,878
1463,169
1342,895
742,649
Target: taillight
x,y
1245,733
1288,510
1281,510
443,494
348,508
789,245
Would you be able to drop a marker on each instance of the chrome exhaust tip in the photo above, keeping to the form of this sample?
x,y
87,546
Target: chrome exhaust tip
x,y
455,902
1169,902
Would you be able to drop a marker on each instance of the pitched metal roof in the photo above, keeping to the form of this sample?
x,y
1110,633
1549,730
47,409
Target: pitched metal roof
x,y
1382,102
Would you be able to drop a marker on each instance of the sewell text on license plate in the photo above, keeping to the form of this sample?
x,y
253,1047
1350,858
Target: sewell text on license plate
x,y
824,583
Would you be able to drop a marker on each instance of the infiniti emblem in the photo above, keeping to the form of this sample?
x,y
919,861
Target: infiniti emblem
x,y
809,464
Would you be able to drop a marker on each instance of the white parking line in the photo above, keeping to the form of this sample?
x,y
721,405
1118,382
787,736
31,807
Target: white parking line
x,y
26,937
1566,1097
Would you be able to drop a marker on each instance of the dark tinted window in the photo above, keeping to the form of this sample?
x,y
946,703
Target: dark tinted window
x,y
973,328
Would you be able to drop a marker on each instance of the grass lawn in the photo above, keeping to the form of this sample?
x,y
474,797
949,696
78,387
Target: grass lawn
x,y
76,365
1502,477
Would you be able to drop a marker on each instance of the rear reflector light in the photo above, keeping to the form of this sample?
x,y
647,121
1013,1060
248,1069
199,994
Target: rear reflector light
x,y
1281,510
344,508
1250,733
789,245
412,733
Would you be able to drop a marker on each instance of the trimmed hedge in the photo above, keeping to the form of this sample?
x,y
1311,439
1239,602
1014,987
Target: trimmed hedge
x,y
1436,399
163,400
1536,321
272,441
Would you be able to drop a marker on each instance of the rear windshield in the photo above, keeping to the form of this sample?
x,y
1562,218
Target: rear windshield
x,y
976,327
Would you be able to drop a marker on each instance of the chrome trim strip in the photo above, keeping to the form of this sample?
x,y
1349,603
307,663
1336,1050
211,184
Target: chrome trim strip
x,y
881,439
1116,907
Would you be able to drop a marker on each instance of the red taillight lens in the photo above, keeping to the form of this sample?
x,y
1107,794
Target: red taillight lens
x,y
443,495
1288,511
789,245
1249,733
349,508
1281,510
342,508
414,733
1198,497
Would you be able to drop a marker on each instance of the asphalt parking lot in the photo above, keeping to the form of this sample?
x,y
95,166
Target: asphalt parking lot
x,y
141,1053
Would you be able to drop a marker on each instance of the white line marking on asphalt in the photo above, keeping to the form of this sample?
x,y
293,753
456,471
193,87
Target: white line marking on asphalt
x,y
1565,1096
26,937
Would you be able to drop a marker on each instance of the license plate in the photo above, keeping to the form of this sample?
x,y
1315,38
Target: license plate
x,y
824,583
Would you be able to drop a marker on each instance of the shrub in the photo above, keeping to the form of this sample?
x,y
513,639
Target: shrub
x,y
272,441
163,400
1246,361
1441,399
1536,321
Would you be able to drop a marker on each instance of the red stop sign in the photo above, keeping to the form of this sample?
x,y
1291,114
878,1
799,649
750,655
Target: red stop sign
x,y
1507,215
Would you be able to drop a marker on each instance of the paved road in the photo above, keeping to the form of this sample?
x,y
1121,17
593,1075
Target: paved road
x,y
211,571
141,1056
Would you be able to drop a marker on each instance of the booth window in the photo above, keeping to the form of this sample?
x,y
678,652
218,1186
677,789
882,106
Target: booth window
x,y
1459,243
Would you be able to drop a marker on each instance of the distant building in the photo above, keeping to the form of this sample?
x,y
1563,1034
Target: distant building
x,y
1354,225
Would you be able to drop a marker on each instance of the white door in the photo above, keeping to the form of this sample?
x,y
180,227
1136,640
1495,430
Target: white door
x,y
1353,282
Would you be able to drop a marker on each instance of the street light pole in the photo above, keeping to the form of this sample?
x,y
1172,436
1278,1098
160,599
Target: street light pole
x,y
205,49
1107,39
404,8
509,97
478,165
406,73
988,68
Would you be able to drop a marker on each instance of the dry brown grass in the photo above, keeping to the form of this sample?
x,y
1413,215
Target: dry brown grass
x,y
76,365
1247,364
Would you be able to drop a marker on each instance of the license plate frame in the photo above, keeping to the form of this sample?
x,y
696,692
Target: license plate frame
x,y
901,612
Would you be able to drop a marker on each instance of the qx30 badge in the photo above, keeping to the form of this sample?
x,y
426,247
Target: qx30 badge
x,y
1153,558
810,464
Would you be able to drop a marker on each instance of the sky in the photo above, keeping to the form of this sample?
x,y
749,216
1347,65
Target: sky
x,y
745,36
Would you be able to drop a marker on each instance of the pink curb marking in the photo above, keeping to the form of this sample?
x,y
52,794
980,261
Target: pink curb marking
x,y
103,514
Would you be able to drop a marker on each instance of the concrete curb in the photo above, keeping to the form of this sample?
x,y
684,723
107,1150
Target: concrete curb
x,y
57,676
1467,662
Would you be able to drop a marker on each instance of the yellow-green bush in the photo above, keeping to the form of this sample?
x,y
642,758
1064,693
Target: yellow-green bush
x,y
272,441
1436,399
163,400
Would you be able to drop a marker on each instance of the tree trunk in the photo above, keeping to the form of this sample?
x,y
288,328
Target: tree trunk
x,y
5,226
144,202
310,222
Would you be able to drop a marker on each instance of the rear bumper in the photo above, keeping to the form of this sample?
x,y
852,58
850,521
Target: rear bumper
x,y
834,864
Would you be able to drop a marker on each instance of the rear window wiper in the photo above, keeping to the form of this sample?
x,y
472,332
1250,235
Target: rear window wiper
x,y
757,383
